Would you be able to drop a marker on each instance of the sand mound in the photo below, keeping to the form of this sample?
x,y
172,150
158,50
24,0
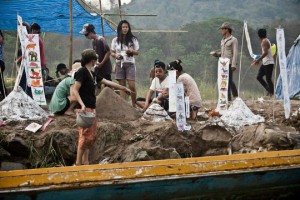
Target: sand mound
x,y
19,106
156,113
109,105
239,115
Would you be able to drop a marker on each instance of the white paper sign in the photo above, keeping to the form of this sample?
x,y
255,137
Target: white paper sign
x,y
223,79
282,64
172,90
180,107
249,42
33,127
33,63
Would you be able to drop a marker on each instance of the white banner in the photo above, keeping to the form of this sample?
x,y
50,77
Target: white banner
x,y
22,32
223,79
282,64
180,107
249,42
33,65
187,106
172,90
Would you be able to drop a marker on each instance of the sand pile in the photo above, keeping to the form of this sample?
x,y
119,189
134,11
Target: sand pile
x,y
156,113
239,115
110,105
19,106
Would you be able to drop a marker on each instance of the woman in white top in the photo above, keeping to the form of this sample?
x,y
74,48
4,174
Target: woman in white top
x,y
123,48
190,87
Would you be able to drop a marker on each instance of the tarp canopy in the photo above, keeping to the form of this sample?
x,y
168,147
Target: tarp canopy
x,y
52,16
293,72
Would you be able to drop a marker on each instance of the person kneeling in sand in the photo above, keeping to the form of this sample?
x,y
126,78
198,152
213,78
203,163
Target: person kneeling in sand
x,y
63,99
159,87
190,87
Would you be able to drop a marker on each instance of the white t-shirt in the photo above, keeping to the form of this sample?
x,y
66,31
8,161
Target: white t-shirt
x,y
115,46
159,87
190,89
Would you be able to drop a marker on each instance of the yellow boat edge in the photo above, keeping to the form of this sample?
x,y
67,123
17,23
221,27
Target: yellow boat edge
x,y
87,175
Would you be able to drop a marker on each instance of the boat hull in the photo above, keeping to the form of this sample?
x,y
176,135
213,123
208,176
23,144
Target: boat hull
x,y
248,176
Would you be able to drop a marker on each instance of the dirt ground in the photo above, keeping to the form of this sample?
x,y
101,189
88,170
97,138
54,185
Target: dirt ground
x,y
123,136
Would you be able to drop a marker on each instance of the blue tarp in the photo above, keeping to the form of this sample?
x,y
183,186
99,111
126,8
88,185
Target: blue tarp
x,y
293,72
51,15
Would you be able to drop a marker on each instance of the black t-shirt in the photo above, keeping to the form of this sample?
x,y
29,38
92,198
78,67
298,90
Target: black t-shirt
x,y
88,86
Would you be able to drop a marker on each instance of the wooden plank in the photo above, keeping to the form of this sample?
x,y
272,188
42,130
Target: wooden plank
x,y
148,170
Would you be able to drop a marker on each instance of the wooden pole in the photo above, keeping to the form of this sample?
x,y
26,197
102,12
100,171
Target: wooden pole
x,y
71,35
240,70
120,13
101,18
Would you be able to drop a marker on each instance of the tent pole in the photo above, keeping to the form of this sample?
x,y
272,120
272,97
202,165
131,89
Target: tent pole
x,y
102,25
240,67
120,13
71,35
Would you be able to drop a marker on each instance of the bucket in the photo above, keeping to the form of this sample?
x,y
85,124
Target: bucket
x,y
85,119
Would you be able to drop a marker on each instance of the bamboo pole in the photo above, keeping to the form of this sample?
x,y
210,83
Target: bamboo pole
x,y
102,21
239,83
120,13
71,35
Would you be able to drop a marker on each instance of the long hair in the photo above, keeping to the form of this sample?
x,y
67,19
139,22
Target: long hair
x,y
128,37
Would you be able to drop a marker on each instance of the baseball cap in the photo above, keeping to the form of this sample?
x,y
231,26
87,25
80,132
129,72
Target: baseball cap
x,y
87,28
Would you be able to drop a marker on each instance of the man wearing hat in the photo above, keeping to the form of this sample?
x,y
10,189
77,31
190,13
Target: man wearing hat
x,y
229,49
103,66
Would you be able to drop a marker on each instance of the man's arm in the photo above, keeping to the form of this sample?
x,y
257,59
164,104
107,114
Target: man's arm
x,y
235,54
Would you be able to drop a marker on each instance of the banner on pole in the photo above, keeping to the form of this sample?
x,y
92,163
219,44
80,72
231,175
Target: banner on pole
x,y
282,65
249,42
22,32
33,67
223,79
172,90
180,107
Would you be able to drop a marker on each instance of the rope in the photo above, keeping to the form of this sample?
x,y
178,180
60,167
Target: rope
x,y
241,62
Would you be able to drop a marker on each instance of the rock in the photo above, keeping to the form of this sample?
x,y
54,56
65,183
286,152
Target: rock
x,y
142,156
174,154
216,136
216,151
136,137
16,145
8,166
3,153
